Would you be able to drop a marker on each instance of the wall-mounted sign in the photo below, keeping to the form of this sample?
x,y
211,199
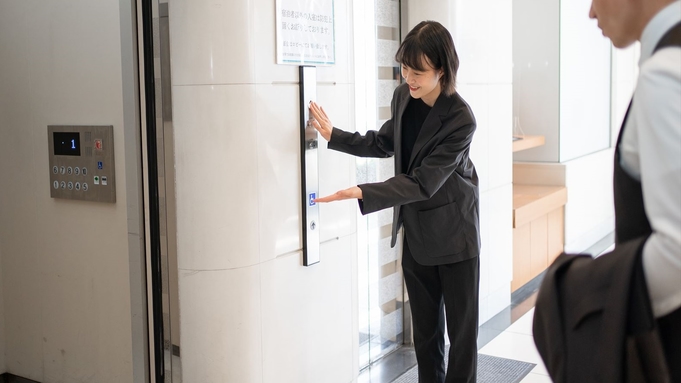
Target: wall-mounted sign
x,y
305,32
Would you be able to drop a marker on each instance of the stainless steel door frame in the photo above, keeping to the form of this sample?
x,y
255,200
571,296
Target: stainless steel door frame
x,y
155,120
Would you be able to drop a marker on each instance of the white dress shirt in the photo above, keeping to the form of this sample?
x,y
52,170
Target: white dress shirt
x,y
651,153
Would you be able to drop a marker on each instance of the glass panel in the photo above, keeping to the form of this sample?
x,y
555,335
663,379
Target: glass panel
x,y
380,273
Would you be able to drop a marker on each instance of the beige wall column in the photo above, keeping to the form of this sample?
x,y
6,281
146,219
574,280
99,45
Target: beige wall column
x,y
250,312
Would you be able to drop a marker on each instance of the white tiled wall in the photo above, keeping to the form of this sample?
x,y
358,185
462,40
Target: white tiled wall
x,y
278,170
536,76
212,34
584,83
249,310
307,328
483,35
216,164
589,212
221,324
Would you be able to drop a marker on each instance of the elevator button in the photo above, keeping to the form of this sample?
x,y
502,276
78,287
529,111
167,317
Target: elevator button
x,y
56,184
95,180
62,170
76,171
84,171
62,185
77,184
70,185
69,170
85,186
55,169
313,225
104,181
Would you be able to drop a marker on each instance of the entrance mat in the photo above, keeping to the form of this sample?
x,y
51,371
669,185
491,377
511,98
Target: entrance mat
x,y
491,369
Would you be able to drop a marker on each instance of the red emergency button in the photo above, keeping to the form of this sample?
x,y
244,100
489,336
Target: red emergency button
x,y
98,144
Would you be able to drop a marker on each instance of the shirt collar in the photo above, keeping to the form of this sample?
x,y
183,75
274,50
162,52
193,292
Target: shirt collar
x,y
657,27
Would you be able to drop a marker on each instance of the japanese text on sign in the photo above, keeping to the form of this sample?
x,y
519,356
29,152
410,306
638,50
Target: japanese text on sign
x,y
305,32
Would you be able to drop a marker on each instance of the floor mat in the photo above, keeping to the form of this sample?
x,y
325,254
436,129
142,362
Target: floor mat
x,y
491,369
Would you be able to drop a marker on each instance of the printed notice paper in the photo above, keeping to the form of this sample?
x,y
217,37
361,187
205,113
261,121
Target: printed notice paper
x,y
305,32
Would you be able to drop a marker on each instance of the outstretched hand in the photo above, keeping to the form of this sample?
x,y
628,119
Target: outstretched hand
x,y
321,121
353,192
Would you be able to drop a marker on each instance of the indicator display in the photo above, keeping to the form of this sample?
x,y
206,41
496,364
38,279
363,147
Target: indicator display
x,y
66,143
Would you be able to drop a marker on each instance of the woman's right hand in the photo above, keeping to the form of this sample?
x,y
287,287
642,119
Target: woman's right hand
x,y
321,121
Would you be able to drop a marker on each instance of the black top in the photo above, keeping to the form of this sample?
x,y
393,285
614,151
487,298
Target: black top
x,y
412,120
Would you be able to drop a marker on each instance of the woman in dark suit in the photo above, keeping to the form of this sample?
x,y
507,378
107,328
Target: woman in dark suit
x,y
435,196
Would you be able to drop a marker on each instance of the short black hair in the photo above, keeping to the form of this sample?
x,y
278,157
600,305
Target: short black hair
x,y
432,40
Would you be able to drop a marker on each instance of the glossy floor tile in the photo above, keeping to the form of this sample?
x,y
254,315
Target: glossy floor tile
x,y
517,343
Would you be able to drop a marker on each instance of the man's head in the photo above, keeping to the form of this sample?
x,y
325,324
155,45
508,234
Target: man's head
x,y
623,21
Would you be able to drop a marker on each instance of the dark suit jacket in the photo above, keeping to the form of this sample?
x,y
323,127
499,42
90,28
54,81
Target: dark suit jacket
x,y
593,322
436,198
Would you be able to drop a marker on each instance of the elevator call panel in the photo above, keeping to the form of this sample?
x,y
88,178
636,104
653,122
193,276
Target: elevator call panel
x,y
309,166
82,163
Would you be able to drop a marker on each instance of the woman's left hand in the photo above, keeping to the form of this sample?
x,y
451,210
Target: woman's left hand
x,y
321,121
353,192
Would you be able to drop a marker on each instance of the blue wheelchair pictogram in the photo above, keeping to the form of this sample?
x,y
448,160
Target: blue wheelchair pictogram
x,y
100,165
312,197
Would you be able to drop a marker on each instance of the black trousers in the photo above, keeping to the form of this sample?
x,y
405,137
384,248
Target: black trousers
x,y
453,287
670,334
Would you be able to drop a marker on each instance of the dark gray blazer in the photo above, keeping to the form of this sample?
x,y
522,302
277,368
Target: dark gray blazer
x,y
436,198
